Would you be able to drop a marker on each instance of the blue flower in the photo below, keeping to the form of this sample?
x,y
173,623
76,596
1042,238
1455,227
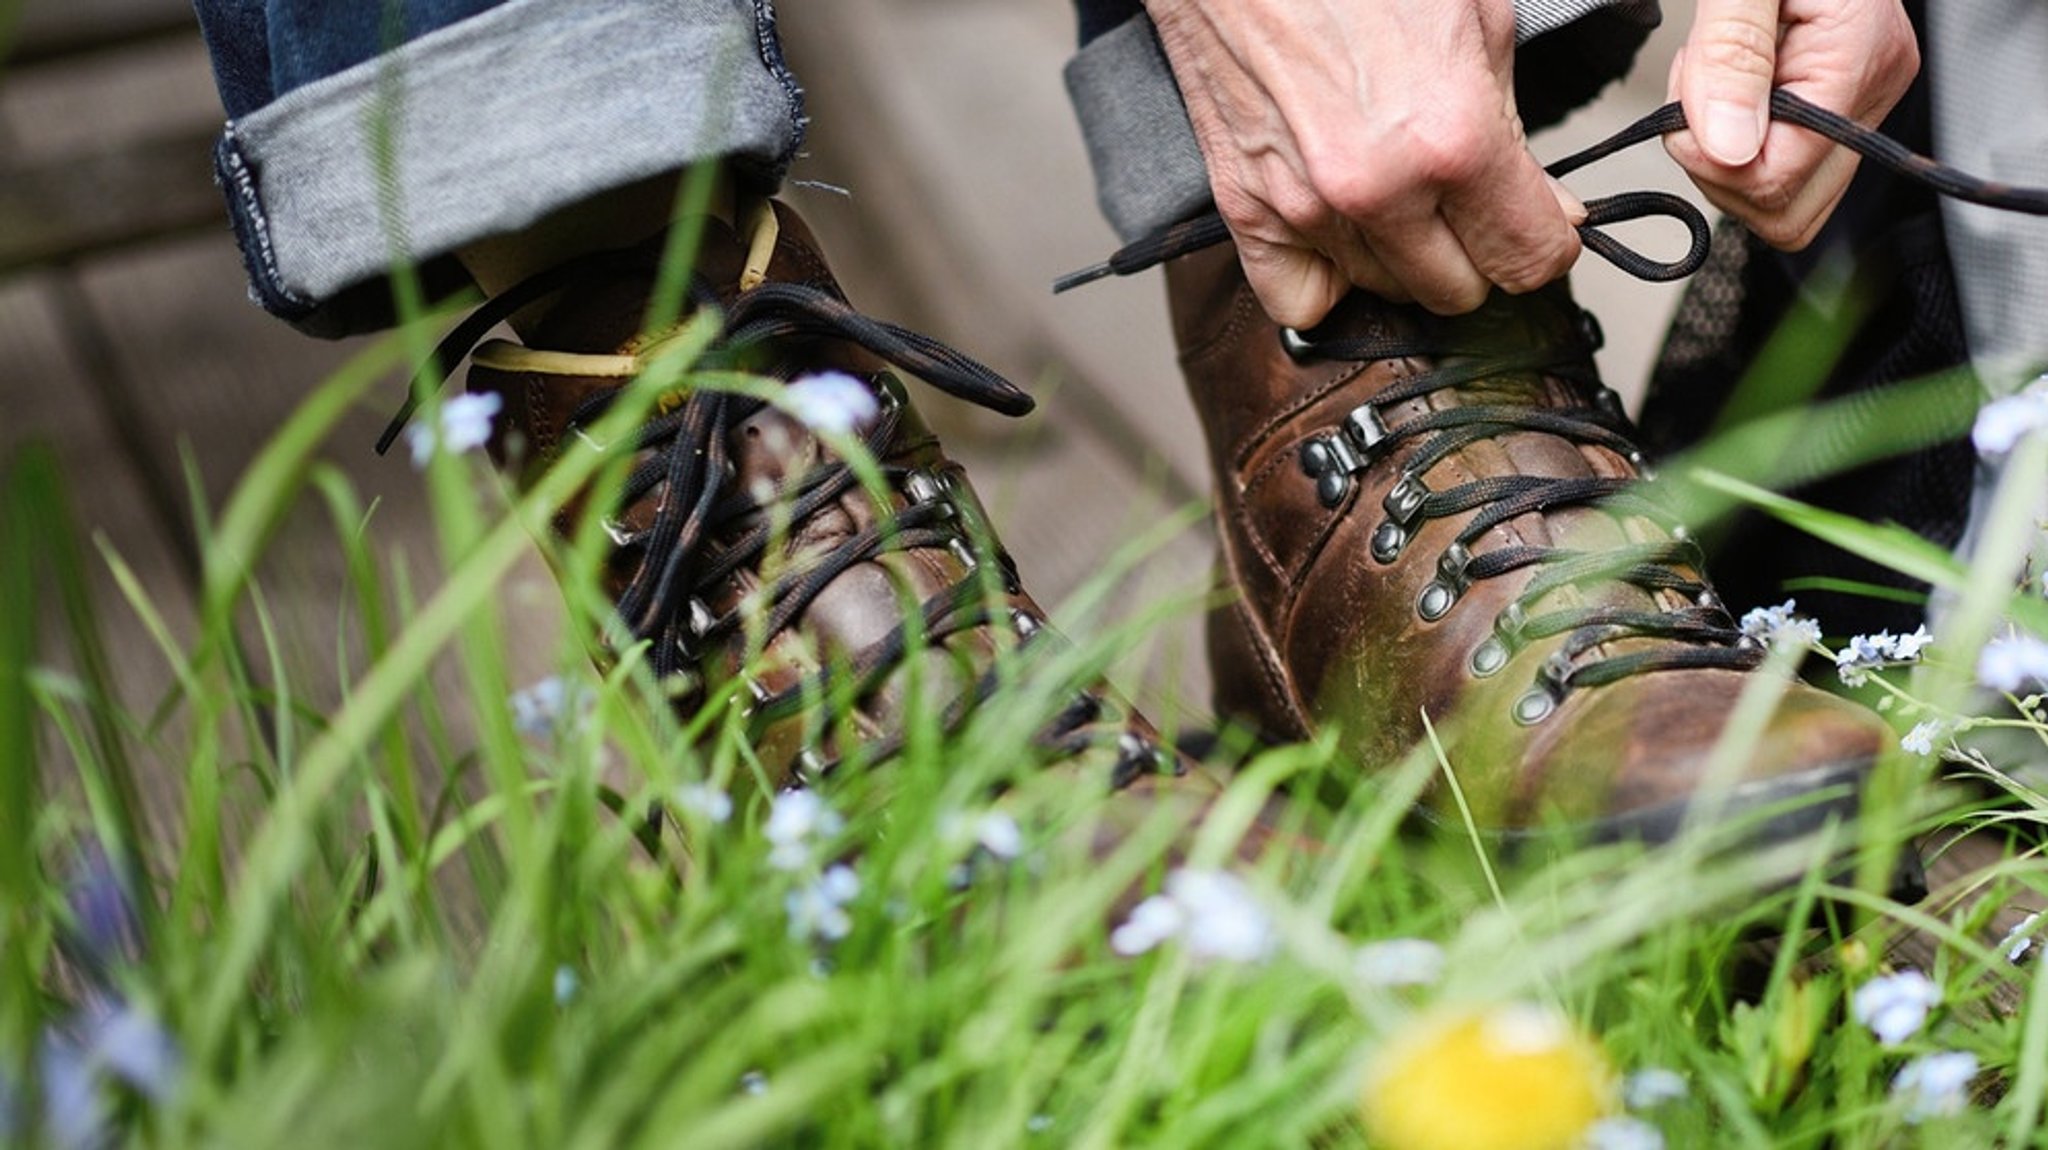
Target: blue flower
x,y
818,909
1399,962
1213,913
103,912
831,401
1894,1006
1920,740
1780,626
2002,423
704,801
2012,663
1622,1133
1935,1085
798,824
1653,1086
464,425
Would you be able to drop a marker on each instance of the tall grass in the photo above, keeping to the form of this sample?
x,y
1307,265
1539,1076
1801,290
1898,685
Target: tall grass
x,y
394,918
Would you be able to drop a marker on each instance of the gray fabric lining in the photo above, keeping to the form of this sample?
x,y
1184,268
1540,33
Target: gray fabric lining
x,y
1148,167
496,121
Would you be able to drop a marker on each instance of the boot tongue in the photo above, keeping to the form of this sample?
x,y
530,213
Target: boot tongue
x,y
606,315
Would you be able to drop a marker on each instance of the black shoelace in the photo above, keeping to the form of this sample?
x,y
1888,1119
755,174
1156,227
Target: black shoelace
x,y
707,528
1702,634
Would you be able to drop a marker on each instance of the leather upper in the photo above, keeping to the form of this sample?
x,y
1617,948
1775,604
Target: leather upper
x,y
1324,631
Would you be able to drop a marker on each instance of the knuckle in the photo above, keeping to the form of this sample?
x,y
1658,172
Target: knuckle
x,y
1355,191
1452,154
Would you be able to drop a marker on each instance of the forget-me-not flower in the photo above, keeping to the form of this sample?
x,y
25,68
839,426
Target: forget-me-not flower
x,y
2002,423
831,401
464,425
1399,962
797,824
1780,626
1895,1006
2013,663
1213,914
1935,1085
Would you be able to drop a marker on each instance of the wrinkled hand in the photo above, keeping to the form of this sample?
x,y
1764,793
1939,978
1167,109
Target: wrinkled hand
x,y
1368,142
1856,57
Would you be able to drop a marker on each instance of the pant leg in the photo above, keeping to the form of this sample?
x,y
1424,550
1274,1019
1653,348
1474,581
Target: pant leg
x,y
353,140
1148,169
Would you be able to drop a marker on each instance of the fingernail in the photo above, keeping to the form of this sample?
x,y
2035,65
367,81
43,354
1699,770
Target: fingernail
x,y
1733,133
1574,210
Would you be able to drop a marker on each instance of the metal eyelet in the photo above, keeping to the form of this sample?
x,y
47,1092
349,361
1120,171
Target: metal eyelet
x,y
1365,427
1590,330
1329,460
1451,566
1299,348
1026,623
758,690
923,487
701,618
1405,499
617,532
1508,625
964,553
891,393
1535,705
1609,402
1556,675
1488,658
1435,602
1388,541
810,767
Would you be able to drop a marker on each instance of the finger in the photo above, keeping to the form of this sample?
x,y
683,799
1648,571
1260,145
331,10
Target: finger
x,y
1790,223
1296,285
1514,224
1730,58
1342,242
1424,255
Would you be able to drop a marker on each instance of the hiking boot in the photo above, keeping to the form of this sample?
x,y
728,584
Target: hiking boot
x,y
749,555
1441,521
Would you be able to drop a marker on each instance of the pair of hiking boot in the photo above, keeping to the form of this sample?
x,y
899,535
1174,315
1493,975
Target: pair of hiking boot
x,y
1427,524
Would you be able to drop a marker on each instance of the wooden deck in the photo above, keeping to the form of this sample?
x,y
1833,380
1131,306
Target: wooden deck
x,y
128,345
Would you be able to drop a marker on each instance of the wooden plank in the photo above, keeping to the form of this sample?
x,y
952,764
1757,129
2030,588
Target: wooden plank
x,y
1964,887
968,163
53,29
80,205
215,378
48,399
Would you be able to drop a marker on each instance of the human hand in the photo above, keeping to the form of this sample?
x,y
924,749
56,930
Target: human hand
x,y
1374,144
1856,57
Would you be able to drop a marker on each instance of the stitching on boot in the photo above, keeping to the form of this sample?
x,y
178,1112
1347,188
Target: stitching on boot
x,y
1279,693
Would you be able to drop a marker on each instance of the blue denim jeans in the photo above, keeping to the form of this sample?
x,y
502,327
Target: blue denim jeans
x,y
364,132
361,133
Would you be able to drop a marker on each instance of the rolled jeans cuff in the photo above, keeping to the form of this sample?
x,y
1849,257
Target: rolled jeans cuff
x,y
484,127
1149,171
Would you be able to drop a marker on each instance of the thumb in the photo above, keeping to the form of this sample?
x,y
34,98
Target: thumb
x,y
1730,59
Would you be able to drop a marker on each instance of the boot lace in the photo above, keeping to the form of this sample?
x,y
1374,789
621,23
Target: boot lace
x,y
1699,635
708,527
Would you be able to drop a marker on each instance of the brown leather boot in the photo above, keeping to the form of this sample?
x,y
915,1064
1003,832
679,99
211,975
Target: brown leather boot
x,y
748,554
1443,518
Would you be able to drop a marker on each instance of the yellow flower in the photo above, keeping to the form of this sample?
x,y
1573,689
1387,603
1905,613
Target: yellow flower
x,y
1511,1078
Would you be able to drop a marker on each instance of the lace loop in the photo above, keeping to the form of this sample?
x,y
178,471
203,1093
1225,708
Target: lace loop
x,y
1208,230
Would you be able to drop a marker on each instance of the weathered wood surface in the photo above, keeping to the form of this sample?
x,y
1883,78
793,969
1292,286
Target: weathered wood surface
x,y
50,29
